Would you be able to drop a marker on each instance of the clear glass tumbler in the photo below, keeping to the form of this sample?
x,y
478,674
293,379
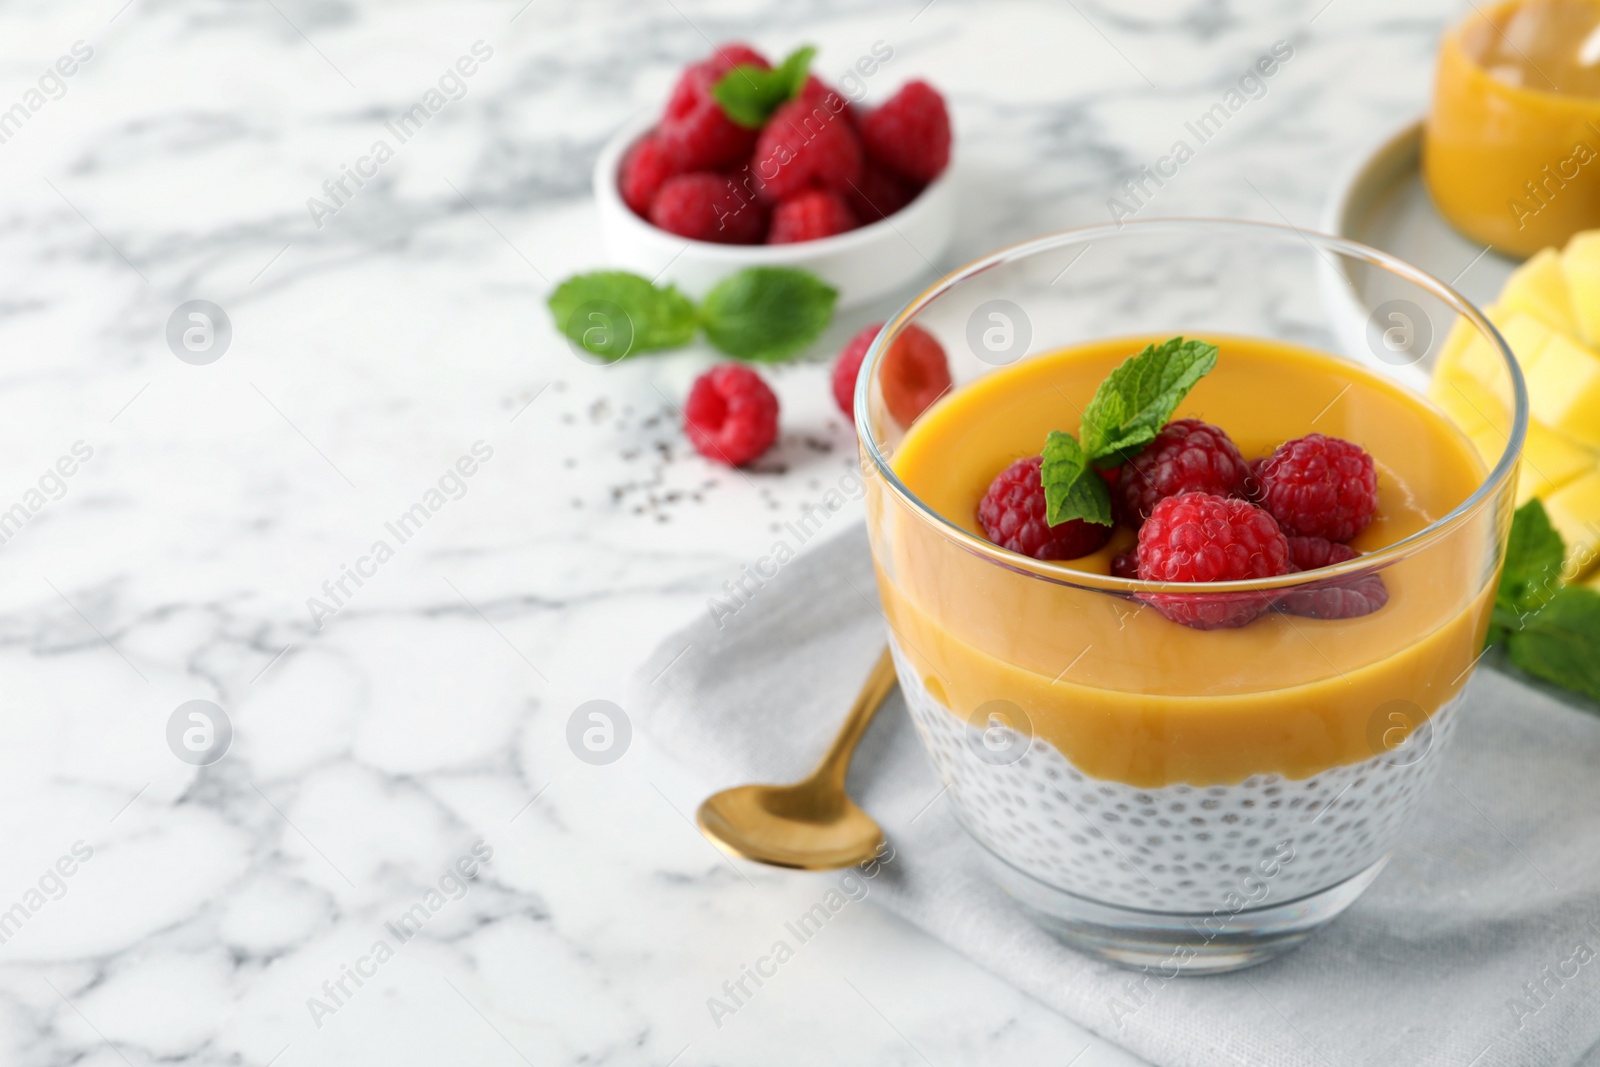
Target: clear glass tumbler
x,y
1160,795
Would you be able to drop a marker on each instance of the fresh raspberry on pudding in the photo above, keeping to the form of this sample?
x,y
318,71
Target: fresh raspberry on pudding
x,y
1187,456
808,141
695,133
910,132
808,216
1345,600
731,415
1318,486
1126,564
1012,514
708,207
1202,537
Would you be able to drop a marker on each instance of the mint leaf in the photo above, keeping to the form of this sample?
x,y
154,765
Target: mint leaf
x,y
767,314
1138,398
1072,488
749,95
1561,641
614,314
1532,572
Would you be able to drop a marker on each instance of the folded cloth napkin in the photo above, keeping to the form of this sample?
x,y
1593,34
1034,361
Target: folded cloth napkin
x,y
1478,945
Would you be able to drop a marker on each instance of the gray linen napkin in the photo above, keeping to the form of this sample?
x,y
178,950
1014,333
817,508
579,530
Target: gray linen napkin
x,y
1478,945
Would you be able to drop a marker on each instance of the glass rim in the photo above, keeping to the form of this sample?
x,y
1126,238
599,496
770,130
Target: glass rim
x,y
1062,573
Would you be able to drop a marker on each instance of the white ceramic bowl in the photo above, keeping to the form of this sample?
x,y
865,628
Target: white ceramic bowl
x,y
863,264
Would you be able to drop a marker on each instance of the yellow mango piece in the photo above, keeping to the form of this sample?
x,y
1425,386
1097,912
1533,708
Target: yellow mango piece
x,y
1460,336
1564,389
1525,335
1539,288
1580,262
1575,513
1471,405
1490,442
1549,461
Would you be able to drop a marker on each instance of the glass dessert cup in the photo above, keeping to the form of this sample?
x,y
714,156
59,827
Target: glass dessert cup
x,y
1162,796
1511,146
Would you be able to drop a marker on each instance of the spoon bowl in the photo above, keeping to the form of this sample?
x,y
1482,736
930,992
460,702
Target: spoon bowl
x,y
798,826
813,824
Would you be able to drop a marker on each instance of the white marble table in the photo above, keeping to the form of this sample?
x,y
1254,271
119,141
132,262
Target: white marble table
x,y
213,913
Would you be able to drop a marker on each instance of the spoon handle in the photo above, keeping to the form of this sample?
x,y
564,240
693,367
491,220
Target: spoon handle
x,y
836,763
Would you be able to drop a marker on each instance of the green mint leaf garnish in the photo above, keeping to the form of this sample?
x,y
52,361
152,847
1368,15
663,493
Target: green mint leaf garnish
x,y
614,314
1128,410
1072,488
1532,572
1136,400
1549,630
749,95
767,314
1559,642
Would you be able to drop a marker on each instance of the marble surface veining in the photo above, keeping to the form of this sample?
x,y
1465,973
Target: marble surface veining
x,y
414,727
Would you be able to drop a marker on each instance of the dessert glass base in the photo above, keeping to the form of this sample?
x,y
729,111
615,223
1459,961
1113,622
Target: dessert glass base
x,y
1170,944
1179,878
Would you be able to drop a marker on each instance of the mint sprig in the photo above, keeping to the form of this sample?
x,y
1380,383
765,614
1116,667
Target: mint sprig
x,y
749,95
767,314
614,314
764,314
1550,630
1071,486
1532,572
1127,411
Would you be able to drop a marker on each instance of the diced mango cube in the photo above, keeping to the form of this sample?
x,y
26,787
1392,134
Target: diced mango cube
x,y
1524,334
1549,461
1575,513
1490,443
1456,341
1564,389
1539,288
1471,405
1580,262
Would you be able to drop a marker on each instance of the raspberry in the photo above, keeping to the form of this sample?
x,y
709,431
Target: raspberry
x,y
1201,537
910,133
731,415
1320,486
1252,481
808,216
1012,514
1187,456
1312,553
879,193
914,373
808,141
695,133
708,207
644,169
848,367
1345,600
1126,564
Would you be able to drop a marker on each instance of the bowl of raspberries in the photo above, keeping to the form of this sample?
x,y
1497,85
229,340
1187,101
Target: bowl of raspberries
x,y
754,164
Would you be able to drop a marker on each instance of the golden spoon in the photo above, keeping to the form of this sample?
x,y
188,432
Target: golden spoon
x,y
812,825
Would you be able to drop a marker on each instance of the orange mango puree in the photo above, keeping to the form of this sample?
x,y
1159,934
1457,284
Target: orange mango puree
x,y
1121,691
1511,148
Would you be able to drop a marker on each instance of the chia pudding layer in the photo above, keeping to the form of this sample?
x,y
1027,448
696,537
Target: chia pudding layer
x,y
1176,848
